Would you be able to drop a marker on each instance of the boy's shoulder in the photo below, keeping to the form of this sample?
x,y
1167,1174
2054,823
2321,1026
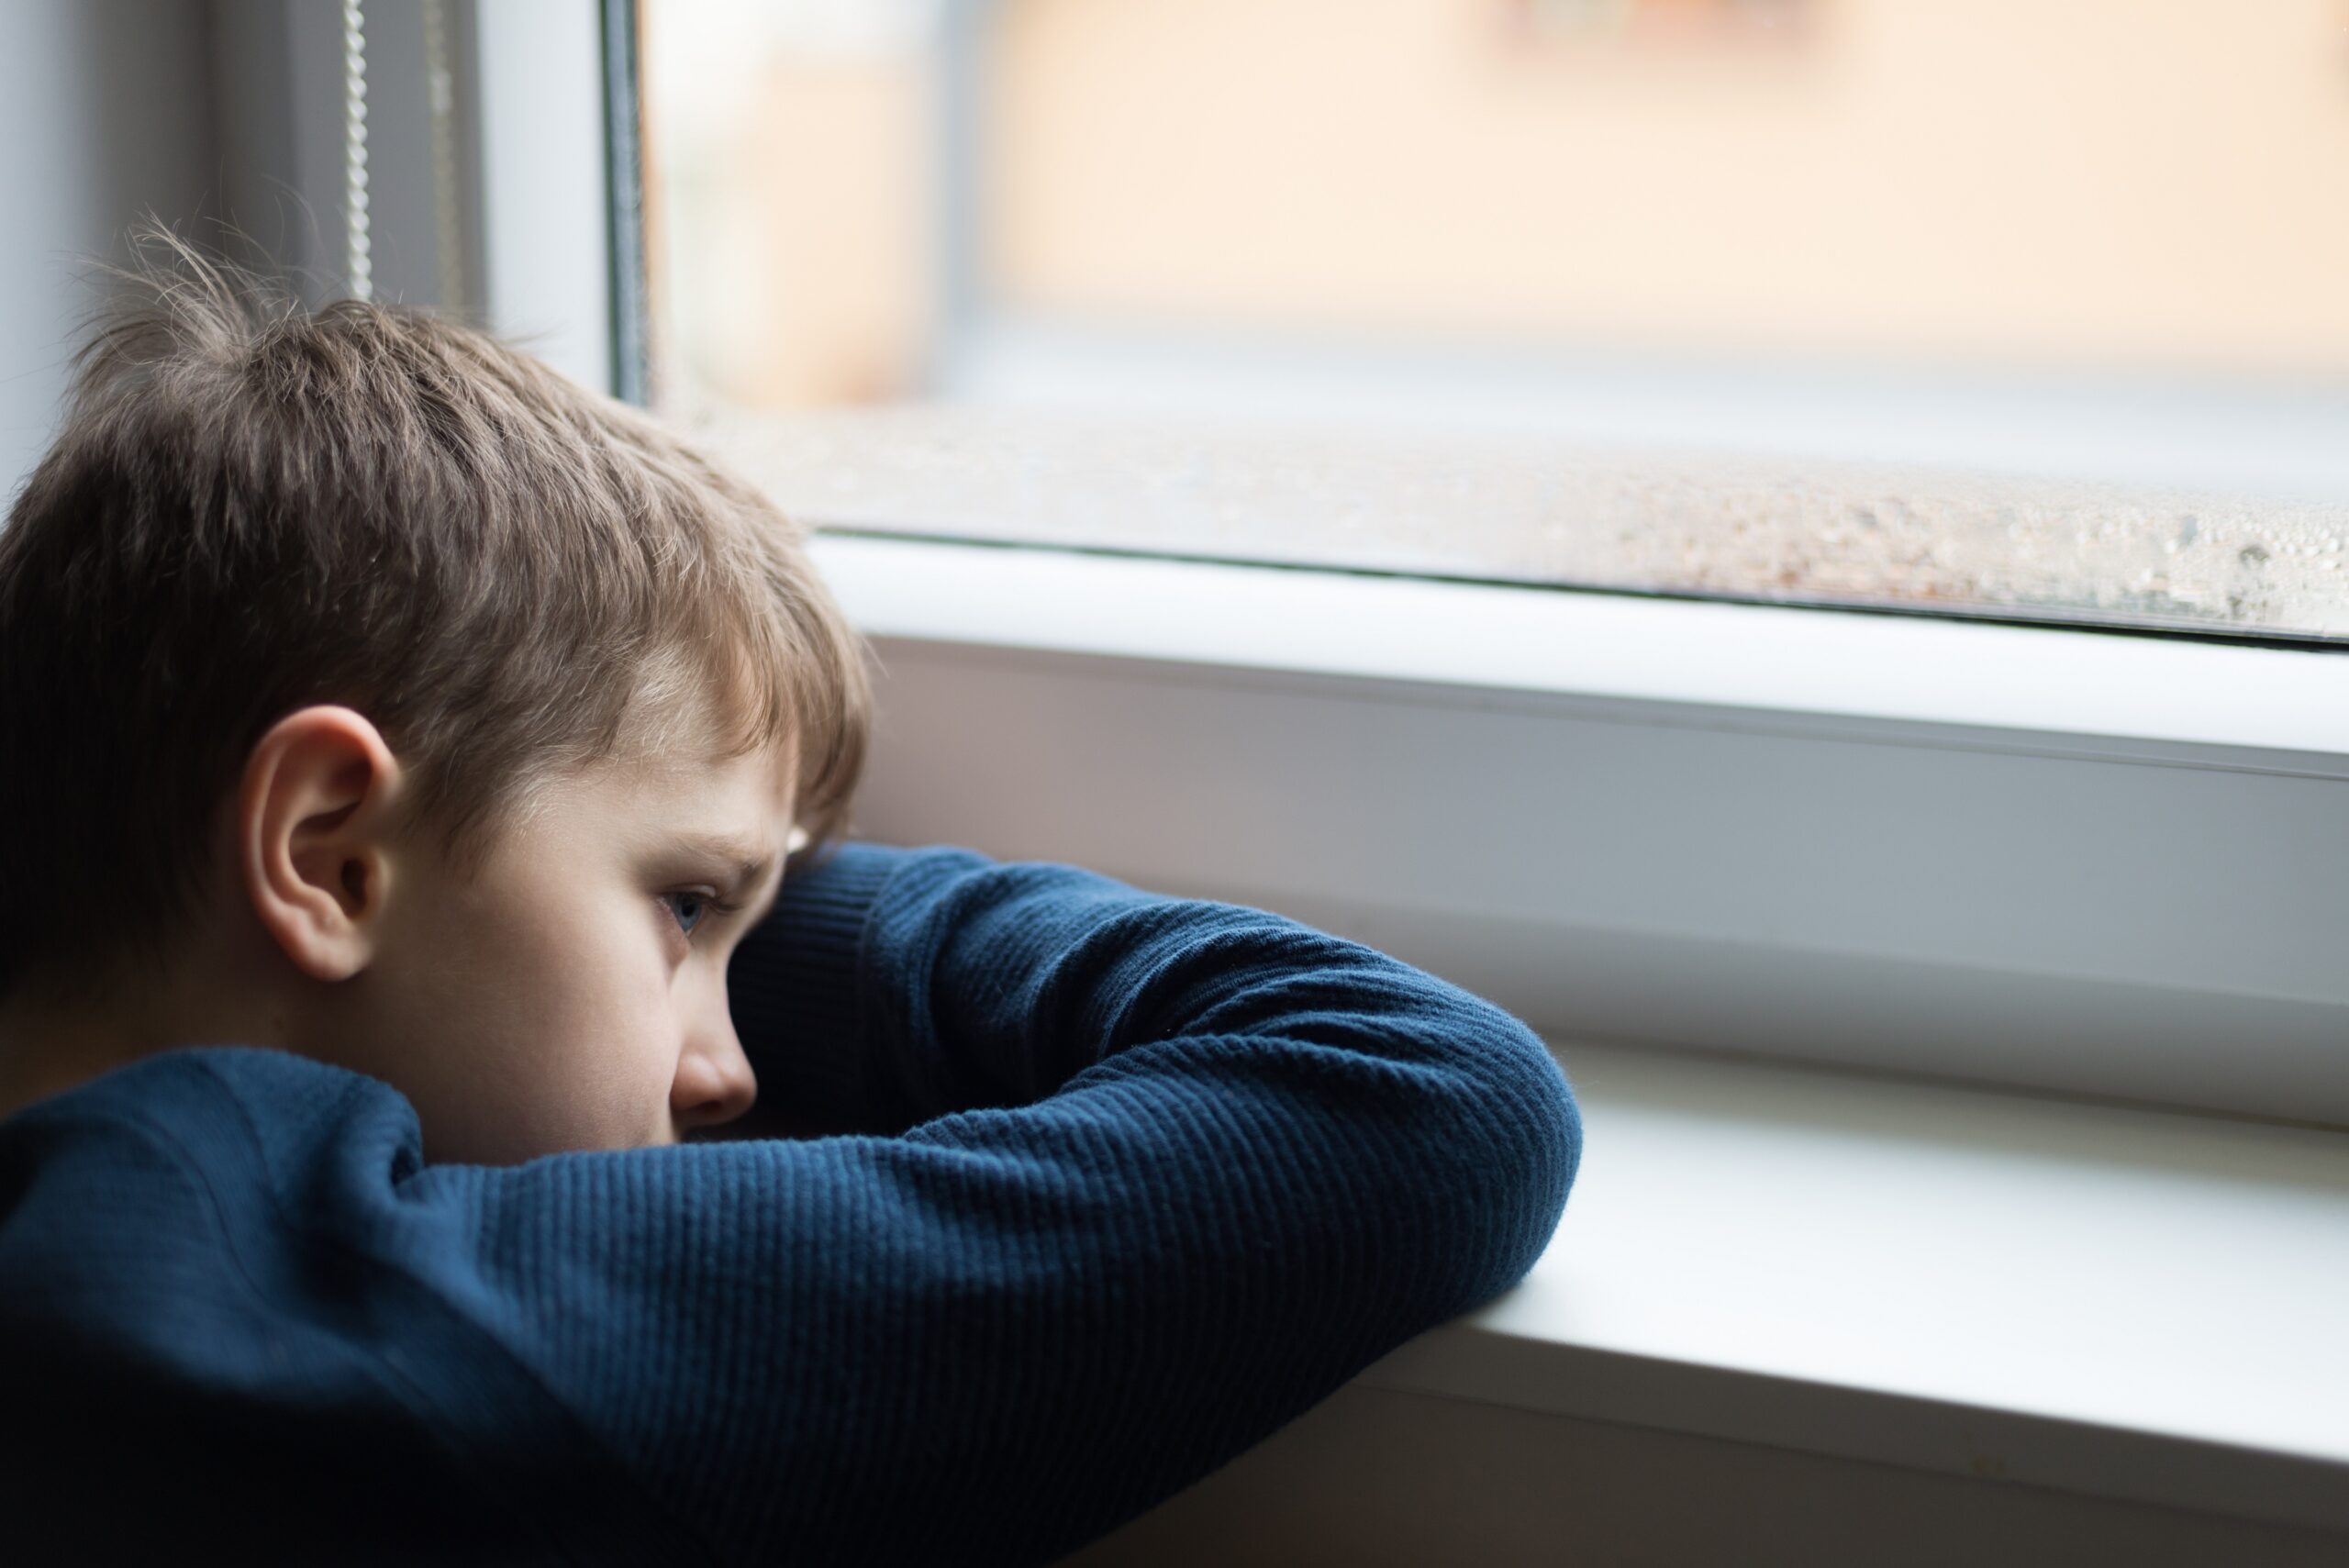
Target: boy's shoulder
x,y
280,1095
176,1148
186,1301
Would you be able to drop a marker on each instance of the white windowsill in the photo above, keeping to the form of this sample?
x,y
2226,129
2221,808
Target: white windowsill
x,y
2103,1300
2081,691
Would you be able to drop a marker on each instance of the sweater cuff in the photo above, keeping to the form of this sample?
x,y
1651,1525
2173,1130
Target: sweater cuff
x,y
794,985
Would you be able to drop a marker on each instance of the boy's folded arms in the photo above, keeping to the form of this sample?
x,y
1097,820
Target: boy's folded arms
x,y
1270,1157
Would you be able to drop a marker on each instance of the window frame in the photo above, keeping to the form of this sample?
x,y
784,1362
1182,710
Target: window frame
x,y
1850,840
2077,862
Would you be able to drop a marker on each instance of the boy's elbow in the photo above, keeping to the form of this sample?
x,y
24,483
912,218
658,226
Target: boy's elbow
x,y
1521,1113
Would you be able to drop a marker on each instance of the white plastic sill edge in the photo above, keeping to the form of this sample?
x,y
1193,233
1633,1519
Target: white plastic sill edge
x,y
2218,705
2101,1300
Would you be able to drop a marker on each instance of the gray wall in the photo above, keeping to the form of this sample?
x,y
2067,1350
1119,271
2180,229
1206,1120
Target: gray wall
x,y
104,112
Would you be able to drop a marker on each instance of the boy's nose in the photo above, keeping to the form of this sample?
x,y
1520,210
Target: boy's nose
x,y
715,1083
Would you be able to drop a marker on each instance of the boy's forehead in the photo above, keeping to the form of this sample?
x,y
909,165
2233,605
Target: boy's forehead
x,y
749,795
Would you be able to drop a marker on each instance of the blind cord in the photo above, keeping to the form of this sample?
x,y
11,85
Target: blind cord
x,y
354,148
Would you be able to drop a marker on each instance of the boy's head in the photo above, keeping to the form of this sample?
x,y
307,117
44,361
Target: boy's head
x,y
368,690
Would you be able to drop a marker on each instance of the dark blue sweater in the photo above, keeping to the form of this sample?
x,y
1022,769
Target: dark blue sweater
x,y
1112,1186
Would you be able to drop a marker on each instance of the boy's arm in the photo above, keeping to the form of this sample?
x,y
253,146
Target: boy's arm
x,y
1172,1171
798,993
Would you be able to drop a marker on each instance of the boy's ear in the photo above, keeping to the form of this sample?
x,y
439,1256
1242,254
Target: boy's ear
x,y
314,815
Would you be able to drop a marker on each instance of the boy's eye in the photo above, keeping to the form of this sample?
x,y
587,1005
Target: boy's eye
x,y
688,908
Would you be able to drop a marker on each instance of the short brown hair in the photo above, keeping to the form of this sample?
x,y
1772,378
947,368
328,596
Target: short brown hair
x,y
252,506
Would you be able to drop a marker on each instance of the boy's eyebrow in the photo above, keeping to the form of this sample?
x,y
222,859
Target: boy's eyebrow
x,y
751,862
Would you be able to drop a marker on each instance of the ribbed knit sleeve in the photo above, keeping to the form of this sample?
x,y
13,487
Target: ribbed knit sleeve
x,y
1158,1175
1172,1171
794,987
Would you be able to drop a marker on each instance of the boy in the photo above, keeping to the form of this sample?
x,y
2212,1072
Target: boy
x,y
399,752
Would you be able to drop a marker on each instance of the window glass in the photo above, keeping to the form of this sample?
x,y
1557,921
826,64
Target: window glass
x,y
1983,307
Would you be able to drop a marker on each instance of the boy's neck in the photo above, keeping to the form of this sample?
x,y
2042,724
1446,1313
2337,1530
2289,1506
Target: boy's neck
x,y
47,1046
50,1043
45,1052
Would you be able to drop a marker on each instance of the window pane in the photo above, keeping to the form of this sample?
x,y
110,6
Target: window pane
x,y
1988,306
